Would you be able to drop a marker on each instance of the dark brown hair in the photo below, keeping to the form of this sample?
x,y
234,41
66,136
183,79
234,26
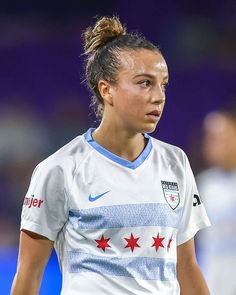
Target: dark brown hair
x,y
102,43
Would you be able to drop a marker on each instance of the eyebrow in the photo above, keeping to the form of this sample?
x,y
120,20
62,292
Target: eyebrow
x,y
150,76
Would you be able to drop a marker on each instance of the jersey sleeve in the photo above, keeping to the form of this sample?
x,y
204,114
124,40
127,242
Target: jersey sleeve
x,y
194,215
45,207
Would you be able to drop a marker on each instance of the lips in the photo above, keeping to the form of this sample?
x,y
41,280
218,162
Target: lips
x,y
153,116
154,113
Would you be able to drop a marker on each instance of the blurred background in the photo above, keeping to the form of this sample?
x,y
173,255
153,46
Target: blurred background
x,y
44,104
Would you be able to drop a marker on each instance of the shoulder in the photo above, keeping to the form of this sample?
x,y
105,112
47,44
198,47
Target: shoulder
x,y
67,158
168,151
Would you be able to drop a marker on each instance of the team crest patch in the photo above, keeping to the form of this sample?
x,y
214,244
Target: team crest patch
x,y
171,193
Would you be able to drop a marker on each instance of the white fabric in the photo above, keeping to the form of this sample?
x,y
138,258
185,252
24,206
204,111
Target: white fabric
x,y
218,243
115,223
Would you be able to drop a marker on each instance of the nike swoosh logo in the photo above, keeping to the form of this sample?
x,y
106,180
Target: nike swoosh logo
x,y
92,199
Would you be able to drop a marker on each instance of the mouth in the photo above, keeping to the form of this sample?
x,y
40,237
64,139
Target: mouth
x,y
155,115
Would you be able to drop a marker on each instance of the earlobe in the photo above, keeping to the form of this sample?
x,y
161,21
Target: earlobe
x,y
104,90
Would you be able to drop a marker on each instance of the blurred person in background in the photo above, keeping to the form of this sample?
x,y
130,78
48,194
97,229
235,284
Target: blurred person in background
x,y
120,207
23,142
217,186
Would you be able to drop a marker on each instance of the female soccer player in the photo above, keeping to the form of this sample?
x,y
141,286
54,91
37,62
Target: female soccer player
x,y
120,207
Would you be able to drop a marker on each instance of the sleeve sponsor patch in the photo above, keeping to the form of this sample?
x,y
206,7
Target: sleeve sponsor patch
x,y
32,201
196,200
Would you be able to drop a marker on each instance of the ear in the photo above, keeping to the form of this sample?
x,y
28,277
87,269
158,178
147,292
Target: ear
x,y
105,91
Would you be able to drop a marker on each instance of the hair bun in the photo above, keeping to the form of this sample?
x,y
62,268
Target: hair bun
x,y
104,30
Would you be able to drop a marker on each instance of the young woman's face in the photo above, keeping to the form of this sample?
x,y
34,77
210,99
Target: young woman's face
x,y
139,94
219,144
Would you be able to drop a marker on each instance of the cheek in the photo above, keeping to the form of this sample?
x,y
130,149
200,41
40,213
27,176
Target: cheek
x,y
134,106
130,101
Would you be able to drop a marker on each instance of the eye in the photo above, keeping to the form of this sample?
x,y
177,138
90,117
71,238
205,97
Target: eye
x,y
164,86
145,83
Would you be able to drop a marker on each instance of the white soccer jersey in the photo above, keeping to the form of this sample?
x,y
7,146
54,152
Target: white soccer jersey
x,y
115,223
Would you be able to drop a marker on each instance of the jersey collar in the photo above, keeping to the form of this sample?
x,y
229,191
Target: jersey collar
x,y
129,164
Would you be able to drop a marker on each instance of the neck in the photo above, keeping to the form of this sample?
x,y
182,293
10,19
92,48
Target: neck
x,y
120,142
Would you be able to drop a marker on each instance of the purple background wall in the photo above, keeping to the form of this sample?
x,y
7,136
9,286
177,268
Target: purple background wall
x,y
43,103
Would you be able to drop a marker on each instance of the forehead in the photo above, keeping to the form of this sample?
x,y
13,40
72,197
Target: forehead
x,y
142,61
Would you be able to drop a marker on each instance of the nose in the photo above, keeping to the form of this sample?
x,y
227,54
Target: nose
x,y
158,95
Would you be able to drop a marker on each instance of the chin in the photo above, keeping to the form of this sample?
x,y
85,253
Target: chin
x,y
149,129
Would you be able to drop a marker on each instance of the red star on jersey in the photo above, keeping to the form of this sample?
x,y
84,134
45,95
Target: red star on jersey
x,y
158,242
103,243
172,198
132,242
168,246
